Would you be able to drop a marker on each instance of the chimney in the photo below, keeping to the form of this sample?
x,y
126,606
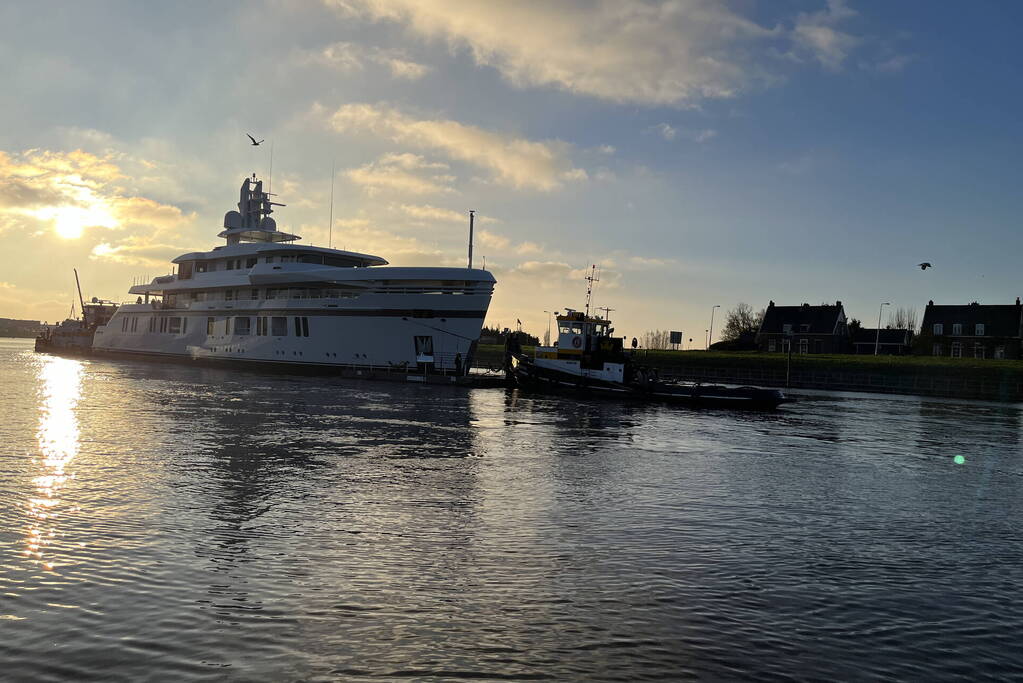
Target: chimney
x,y
838,303
1017,301
931,302
770,304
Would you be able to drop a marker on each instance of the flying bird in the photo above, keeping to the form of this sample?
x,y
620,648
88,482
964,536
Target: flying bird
x,y
925,265
254,143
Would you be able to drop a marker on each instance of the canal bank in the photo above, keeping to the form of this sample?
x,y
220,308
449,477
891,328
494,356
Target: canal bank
x,y
998,380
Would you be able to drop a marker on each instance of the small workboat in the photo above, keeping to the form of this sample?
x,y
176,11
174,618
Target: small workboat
x,y
586,359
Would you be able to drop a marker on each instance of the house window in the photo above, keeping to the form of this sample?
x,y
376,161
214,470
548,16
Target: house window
x,y
804,346
279,326
771,346
957,350
241,326
978,350
818,346
939,328
957,328
999,352
937,350
209,325
979,329
786,328
805,327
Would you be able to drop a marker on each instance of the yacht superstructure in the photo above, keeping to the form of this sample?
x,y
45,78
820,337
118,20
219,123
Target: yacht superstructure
x,y
262,298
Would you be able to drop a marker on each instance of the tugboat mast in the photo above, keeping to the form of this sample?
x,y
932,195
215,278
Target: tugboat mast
x,y
590,279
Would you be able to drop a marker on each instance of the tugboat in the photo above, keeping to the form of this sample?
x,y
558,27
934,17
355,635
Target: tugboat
x,y
75,336
586,359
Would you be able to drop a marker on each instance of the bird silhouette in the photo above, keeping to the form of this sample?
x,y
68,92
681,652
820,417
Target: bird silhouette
x,y
254,143
925,265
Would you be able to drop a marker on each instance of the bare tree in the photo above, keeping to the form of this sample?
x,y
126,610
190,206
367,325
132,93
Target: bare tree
x,y
655,339
741,320
902,319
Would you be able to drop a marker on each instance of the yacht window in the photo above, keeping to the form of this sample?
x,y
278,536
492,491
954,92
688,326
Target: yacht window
x,y
269,259
229,295
163,324
184,325
254,294
152,324
209,325
298,326
305,327
261,326
174,325
424,346
336,262
287,259
271,293
279,326
201,266
185,270
241,326
301,326
310,258
230,264
251,261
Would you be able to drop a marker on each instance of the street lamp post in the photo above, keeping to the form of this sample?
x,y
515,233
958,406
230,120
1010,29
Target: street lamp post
x,y
710,332
877,340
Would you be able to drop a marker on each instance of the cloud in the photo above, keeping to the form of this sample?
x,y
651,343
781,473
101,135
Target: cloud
x,y
513,161
893,64
671,52
351,57
72,193
666,131
816,33
402,174
138,250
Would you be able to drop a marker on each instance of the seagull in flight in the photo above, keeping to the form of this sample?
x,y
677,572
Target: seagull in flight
x,y
925,265
254,143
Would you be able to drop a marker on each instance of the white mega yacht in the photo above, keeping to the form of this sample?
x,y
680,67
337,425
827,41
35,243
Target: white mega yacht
x,y
262,298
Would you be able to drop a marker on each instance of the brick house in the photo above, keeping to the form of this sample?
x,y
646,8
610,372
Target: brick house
x,y
810,329
891,342
972,331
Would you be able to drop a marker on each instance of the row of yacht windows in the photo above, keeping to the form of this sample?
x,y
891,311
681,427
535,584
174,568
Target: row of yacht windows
x,y
187,268
275,326
266,325
256,293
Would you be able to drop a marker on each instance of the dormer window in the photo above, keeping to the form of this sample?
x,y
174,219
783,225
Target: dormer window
x,y
786,328
939,328
979,329
805,327
957,328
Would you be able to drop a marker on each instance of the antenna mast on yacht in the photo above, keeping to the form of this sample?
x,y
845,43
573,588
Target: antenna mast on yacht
x,y
330,224
270,175
590,279
472,217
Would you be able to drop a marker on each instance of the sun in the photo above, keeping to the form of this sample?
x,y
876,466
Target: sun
x,y
70,222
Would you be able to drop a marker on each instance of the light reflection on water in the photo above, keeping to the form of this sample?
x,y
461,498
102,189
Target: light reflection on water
x,y
209,524
59,381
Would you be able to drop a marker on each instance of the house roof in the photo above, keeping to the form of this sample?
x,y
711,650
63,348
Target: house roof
x,y
888,336
999,320
821,319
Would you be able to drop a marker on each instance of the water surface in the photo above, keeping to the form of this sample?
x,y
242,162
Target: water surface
x,y
170,521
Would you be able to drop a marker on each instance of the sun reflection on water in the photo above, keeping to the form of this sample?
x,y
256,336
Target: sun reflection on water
x,y
60,380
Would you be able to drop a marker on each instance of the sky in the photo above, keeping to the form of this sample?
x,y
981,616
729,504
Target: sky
x,y
699,152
